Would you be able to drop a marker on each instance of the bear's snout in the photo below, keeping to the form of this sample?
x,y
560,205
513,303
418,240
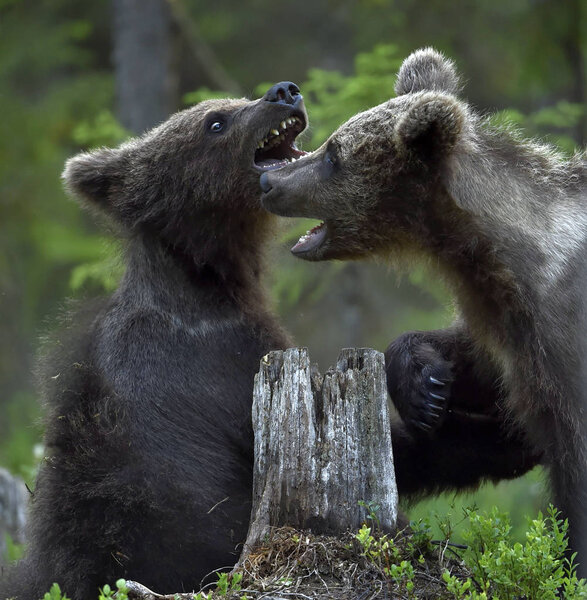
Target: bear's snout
x,y
284,92
265,183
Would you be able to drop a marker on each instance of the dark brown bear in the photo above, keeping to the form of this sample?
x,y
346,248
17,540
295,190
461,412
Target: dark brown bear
x,y
148,473
505,220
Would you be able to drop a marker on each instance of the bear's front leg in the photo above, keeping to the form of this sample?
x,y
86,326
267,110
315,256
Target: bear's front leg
x,y
419,380
432,375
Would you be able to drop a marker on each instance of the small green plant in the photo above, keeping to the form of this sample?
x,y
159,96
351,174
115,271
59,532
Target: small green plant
x,y
536,569
55,593
462,589
372,509
380,551
420,541
402,575
120,593
228,583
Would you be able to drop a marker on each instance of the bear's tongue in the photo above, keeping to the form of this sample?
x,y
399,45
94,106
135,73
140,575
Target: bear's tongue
x,y
311,240
272,163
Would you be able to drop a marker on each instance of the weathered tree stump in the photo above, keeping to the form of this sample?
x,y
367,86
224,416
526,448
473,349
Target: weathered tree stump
x,y
13,503
322,444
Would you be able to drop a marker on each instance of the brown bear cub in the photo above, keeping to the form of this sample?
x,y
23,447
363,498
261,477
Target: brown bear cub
x,y
149,443
505,220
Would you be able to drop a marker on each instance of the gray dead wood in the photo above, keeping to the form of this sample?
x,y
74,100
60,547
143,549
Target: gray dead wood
x,y
13,503
322,444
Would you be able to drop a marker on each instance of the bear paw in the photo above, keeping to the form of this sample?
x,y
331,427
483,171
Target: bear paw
x,y
419,382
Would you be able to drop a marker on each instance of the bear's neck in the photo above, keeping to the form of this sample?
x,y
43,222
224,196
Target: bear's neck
x,y
498,283
224,276
498,302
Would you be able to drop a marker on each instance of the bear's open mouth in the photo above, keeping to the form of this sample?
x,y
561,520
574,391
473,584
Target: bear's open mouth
x,y
311,240
278,147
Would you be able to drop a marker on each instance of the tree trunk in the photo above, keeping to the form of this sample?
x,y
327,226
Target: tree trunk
x,y
146,81
13,503
322,444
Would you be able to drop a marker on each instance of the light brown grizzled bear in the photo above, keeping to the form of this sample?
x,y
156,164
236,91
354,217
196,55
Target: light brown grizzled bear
x,y
504,220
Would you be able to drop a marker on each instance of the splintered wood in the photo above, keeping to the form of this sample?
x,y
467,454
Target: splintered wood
x,y
322,444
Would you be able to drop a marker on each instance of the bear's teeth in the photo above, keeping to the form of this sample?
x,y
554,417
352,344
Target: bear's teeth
x,y
275,132
283,125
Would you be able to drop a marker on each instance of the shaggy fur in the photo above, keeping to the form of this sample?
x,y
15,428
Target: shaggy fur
x,y
148,393
505,220
148,473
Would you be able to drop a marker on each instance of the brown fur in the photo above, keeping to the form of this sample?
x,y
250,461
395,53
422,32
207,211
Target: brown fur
x,y
504,219
149,444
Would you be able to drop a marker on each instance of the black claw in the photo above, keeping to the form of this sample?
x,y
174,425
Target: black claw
x,y
437,381
436,396
436,406
424,425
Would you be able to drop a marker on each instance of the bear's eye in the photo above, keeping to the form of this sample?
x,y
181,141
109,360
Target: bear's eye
x,y
329,165
330,159
217,123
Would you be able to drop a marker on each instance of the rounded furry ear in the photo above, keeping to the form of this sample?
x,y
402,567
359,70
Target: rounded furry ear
x,y
94,175
427,69
431,125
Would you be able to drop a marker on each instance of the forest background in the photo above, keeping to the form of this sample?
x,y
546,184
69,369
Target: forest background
x,y
75,75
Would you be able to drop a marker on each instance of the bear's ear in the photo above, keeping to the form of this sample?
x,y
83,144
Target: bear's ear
x,y
431,126
95,175
427,70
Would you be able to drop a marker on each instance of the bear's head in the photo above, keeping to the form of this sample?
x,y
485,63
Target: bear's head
x,y
370,182
193,181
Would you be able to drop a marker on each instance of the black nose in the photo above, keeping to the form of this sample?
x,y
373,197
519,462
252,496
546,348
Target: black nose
x,y
265,185
284,92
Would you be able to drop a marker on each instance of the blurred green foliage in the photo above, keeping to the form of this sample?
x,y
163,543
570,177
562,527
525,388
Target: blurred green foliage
x,y
51,81
57,97
333,97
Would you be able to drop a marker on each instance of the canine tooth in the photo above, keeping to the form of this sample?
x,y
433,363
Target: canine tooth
x,y
283,125
275,132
